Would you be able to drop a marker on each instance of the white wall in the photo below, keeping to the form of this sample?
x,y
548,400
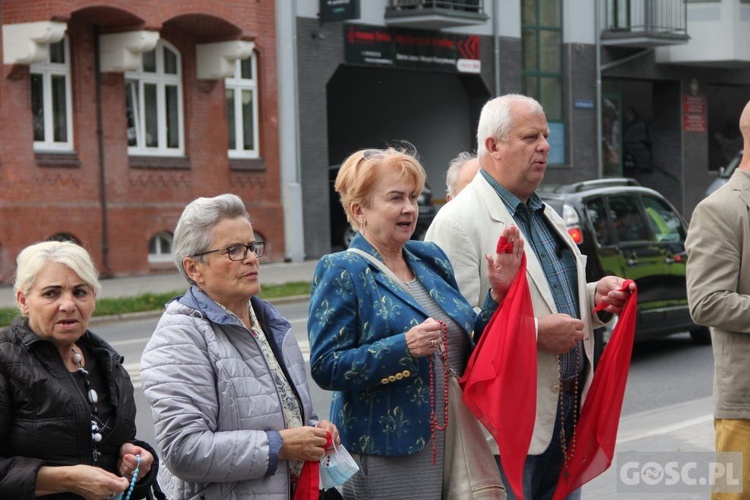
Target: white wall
x,y
578,21
718,32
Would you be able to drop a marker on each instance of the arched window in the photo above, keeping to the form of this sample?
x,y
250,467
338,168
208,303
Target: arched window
x,y
51,101
242,109
160,248
153,96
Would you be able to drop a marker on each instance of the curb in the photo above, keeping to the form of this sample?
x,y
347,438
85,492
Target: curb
x,y
292,299
111,318
100,320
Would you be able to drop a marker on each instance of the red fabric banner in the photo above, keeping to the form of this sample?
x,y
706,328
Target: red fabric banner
x,y
308,486
596,431
499,384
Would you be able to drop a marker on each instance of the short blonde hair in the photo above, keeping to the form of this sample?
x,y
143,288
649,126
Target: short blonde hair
x,y
361,170
34,257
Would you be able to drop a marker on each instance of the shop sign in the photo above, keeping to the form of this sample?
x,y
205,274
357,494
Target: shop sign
x,y
338,10
412,49
694,113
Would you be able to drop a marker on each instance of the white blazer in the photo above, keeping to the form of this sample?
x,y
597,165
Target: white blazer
x,y
467,228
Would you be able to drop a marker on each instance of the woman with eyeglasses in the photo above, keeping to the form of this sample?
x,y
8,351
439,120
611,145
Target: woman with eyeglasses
x,y
381,314
223,373
67,412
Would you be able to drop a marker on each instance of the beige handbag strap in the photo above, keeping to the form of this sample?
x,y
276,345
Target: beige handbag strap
x,y
380,265
398,281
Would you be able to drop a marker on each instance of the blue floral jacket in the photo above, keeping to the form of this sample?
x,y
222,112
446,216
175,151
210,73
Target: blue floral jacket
x,y
357,326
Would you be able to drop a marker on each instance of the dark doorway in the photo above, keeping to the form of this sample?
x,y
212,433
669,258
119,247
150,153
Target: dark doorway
x,y
725,105
436,112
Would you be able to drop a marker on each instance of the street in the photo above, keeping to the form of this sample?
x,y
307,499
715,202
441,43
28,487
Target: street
x,y
671,373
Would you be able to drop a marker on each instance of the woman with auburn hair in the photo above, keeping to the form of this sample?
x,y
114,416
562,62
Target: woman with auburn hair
x,y
384,316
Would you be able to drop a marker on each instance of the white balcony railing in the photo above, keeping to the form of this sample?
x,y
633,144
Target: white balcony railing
x,y
646,17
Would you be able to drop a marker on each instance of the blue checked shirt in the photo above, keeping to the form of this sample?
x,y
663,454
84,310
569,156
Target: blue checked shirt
x,y
557,261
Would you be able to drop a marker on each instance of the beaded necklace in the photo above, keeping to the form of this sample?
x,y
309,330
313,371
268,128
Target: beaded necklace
x,y
569,449
93,398
434,425
126,495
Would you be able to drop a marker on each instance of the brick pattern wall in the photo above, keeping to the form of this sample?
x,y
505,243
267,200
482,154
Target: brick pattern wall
x,y
317,60
39,200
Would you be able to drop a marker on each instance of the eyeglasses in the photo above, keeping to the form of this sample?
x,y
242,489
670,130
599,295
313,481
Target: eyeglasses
x,y
239,251
370,153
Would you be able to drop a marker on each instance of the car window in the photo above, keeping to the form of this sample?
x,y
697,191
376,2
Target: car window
x,y
598,216
664,222
627,219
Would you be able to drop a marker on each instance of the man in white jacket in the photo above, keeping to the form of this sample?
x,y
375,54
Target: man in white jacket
x,y
512,151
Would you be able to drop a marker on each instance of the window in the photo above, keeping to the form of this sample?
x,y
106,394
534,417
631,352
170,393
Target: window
x,y
153,96
626,217
664,222
51,100
541,46
618,14
242,109
598,216
160,248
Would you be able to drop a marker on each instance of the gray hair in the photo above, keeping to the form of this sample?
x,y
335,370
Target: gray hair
x,y
34,257
194,231
454,167
496,120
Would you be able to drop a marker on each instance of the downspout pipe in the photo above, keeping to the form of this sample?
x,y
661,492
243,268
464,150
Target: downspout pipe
x,y
598,42
496,42
289,142
100,145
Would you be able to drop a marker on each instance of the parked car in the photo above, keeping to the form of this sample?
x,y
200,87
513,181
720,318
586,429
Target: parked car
x,y
634,232
724,174
342,233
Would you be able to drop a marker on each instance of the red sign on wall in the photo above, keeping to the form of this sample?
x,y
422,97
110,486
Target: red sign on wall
x,y
414,49
694,113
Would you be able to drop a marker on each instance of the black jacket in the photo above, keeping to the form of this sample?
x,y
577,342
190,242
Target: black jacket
x,y
45,419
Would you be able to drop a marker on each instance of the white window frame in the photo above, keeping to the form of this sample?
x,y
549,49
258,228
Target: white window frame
x,y
47,70
161,79
160,255
237,85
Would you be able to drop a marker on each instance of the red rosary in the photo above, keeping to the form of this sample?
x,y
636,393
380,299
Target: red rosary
x,y
434,425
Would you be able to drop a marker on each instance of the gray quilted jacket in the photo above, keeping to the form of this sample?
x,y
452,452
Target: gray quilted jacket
x,y
216,409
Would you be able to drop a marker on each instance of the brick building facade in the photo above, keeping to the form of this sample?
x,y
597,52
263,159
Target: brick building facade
x,y
108,150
